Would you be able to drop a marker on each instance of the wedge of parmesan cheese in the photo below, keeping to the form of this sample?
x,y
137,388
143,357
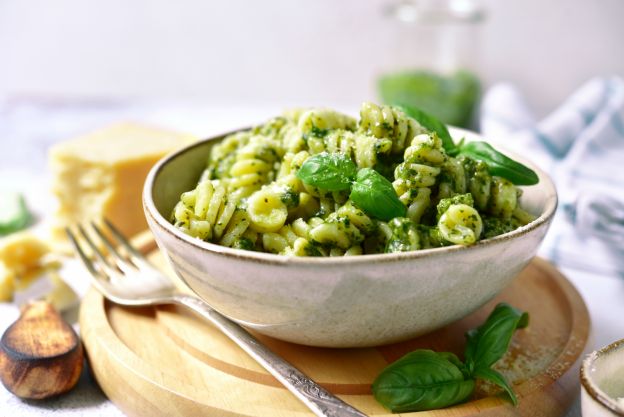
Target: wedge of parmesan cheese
x,y
102,174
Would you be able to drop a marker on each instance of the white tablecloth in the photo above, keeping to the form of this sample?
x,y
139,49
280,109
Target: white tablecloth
x,y
28,127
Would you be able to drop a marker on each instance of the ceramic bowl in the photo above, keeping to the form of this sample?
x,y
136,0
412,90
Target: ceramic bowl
x,y
353,301
602,381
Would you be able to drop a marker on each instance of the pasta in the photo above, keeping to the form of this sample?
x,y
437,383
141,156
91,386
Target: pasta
x,y
251,197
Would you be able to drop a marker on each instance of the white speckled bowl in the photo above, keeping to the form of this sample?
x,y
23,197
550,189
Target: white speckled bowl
x,y
346,301
602,380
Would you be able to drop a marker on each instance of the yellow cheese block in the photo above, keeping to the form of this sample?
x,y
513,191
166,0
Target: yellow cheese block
x,y
102,174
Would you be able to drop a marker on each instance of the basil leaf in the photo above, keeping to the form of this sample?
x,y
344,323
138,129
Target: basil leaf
x,y
499,164
375,195
497,378
328,171
14,214
422,380
489,342
432,124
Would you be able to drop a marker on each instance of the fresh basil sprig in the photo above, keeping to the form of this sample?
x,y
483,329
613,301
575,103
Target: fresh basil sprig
x,y
425,380
375,195
432,124
488,343
370,191
498,164
328,171
422,380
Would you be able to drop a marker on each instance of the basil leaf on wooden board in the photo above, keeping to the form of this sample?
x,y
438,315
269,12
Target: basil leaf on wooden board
x,y
495,377
328,171
374,194
499,164
488,343
422,380
431,123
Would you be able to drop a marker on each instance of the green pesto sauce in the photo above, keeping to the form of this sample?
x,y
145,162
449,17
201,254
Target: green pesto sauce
x,y
244,243
445,203
290,198
494,226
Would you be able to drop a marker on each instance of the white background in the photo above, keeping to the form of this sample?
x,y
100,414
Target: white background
x,y
281,51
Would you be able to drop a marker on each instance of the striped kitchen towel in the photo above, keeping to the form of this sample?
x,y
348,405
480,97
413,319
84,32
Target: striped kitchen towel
x,y
581,145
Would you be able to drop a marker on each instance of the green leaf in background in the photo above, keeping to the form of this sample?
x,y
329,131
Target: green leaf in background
x,y
499,164
14,214
488,343
328,171
375,195
422,380
497,378
432,124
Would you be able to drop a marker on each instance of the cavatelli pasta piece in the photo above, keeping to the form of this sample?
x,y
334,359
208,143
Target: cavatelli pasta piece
x,y
206,213
452,179
503,198
418,173
478,181
317,122
460,224
274,242
403,236
417,204
390,123
345,228
267,212
336,233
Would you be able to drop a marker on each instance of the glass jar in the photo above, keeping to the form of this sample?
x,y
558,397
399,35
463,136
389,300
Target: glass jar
x,y
435,58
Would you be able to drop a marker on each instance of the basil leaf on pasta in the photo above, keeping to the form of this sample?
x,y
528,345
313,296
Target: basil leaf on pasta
x,y
328,171
375,195
431,123
499,164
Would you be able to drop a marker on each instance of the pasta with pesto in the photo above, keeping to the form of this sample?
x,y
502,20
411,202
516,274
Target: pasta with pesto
x,y
251,196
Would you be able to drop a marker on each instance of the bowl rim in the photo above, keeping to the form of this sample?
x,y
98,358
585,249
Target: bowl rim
x,y
592,389
276,259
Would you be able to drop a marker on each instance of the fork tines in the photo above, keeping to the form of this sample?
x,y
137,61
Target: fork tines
x,y
109,239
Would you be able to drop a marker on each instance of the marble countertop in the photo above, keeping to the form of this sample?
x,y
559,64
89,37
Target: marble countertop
x,y
28,127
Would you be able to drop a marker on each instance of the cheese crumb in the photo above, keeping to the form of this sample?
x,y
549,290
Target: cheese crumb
x,y
24,261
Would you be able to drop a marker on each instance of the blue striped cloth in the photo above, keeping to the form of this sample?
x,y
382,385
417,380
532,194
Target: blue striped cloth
x,y
581,145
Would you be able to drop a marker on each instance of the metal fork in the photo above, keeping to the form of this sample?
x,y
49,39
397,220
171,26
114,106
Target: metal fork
x,y
132,281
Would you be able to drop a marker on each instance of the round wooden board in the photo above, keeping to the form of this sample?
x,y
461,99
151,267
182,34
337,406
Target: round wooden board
x,y
167,362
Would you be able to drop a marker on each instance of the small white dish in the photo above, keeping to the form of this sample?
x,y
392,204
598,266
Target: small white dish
x,y
602,382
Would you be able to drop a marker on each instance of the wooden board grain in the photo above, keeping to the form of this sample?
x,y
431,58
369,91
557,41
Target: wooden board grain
x,y
165,361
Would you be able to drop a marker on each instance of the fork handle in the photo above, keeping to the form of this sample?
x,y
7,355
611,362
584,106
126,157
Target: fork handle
x,y
318,399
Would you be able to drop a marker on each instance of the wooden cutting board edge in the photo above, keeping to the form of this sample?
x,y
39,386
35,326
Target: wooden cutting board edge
x,y
557,387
